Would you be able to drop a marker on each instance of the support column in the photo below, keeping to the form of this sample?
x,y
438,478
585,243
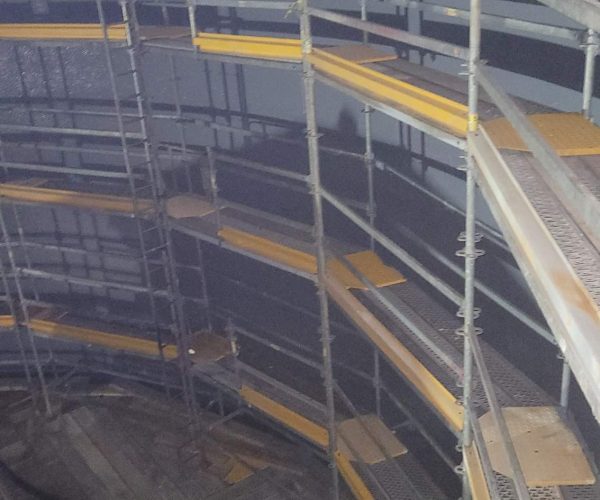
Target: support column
x,y
369,156
565,383
25,315
591,51
315,186
470,237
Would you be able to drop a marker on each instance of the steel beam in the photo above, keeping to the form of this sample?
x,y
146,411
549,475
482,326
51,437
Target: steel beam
x,y
585,12
582,204
568,307
447,49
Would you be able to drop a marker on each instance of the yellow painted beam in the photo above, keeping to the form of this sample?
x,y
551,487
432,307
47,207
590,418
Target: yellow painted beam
x,y
445,113
370,265
367,262
311,431
270,249
475,475
292,420
47,31
257,47
7,321
88,201
353,480
419,376
101,339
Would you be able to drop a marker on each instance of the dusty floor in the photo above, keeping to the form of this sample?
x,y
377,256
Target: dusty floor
x,y
125,441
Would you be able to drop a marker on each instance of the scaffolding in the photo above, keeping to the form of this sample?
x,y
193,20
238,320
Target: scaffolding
x,y
542,202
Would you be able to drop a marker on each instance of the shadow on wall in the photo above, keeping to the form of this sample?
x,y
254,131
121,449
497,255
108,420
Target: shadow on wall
x,y
346,124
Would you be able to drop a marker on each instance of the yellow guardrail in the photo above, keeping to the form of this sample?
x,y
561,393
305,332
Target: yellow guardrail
x,y
61,31
257,47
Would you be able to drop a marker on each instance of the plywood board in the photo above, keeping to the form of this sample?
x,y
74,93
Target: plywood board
x,y
208,347
548,451
163,32
368,439
570,134
475,474
188,205
372,267
360,53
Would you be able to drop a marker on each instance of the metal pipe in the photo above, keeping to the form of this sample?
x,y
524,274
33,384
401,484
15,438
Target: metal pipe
x,y
405,479
483,288
214,187
397,35
591,51
492,234
279,172
369,156
585,12
11,307
377,381
491,21
486,463
565,383
250,4
228,313
470,253
467,310
405,320
581,203
279,348
282,302
36,273
319,231
192,19
395,249
505,438
420,427
64,170
25,311
68,131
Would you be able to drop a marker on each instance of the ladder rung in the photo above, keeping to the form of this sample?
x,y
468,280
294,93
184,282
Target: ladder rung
x,y
143,187
130,97
129,72
155,249
150,229
132,119
125,46
138,142
144,163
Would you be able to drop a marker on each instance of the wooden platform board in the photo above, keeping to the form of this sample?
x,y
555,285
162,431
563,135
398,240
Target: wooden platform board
x,y
372,267
365,439
208,347
188,205
360,53
548,451
570,134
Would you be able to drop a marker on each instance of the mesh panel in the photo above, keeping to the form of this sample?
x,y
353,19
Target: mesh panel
x,y
580,254
399,479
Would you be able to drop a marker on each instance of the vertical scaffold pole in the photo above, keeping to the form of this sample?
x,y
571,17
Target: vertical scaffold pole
x,y
315,186
25,313
565,383
371,207
470,252
192,18
369,156
591,51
